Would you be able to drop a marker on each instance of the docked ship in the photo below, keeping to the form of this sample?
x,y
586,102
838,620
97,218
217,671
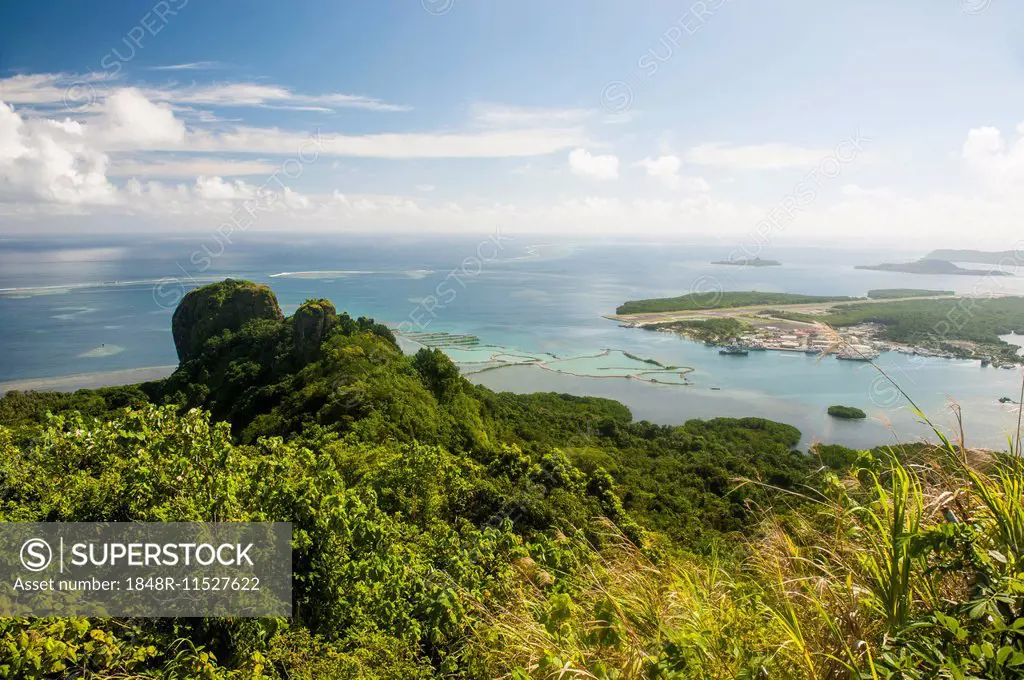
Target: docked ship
x,y
733,350
853,356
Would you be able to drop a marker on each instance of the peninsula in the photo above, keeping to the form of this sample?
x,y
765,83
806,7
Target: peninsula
x,y
722,300
1011,257
930,266
745,262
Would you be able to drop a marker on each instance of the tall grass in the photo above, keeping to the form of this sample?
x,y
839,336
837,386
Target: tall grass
x,y
913,569
624,617
909,564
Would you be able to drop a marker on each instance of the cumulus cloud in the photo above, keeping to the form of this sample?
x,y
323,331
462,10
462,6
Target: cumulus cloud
x,y
217,189
582,162
122,118
665,169
131,121
999,164
59,164
50,161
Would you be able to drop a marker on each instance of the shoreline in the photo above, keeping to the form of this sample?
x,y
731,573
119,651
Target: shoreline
x,y
80,381
863,337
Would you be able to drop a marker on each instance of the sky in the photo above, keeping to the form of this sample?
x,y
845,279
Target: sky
x,y
739,121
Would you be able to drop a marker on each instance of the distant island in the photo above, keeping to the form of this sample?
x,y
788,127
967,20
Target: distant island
x,y
847,412
977,256
930,266
888,293
756,262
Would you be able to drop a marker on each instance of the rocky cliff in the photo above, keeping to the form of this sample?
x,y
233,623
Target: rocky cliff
x,y
311,323
210,310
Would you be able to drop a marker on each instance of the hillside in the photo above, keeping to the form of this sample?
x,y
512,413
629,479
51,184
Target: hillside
x,y
1008,257
441,530
931,266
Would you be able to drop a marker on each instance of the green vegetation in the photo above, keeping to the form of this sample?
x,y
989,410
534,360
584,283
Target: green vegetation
x,y
717,330
938,324
652,362
720,300
847,412
209,310
926,266
885,293
442,530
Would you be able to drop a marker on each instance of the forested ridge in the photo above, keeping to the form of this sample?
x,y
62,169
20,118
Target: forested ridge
x,y
442,530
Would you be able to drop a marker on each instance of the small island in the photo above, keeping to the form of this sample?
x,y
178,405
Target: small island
x,y
928,266
846,412
745,262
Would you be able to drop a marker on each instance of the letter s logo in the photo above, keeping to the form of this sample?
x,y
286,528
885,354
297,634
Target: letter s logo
x,y
36,554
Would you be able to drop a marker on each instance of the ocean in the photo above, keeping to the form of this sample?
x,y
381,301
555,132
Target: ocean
x,y
91,304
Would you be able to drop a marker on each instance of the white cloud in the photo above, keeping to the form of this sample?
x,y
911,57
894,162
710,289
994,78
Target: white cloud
x,y
665,169
398,145
83,91
49,161
123,118
61,164
189,167
130,121
268,96
190,66
217,189
582,162
999,165
44,88
755,157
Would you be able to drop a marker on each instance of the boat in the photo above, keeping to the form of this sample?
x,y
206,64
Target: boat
x,y
733,350
986,362
849,356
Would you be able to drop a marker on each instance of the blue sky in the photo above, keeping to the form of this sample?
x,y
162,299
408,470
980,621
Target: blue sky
x,y
695,119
